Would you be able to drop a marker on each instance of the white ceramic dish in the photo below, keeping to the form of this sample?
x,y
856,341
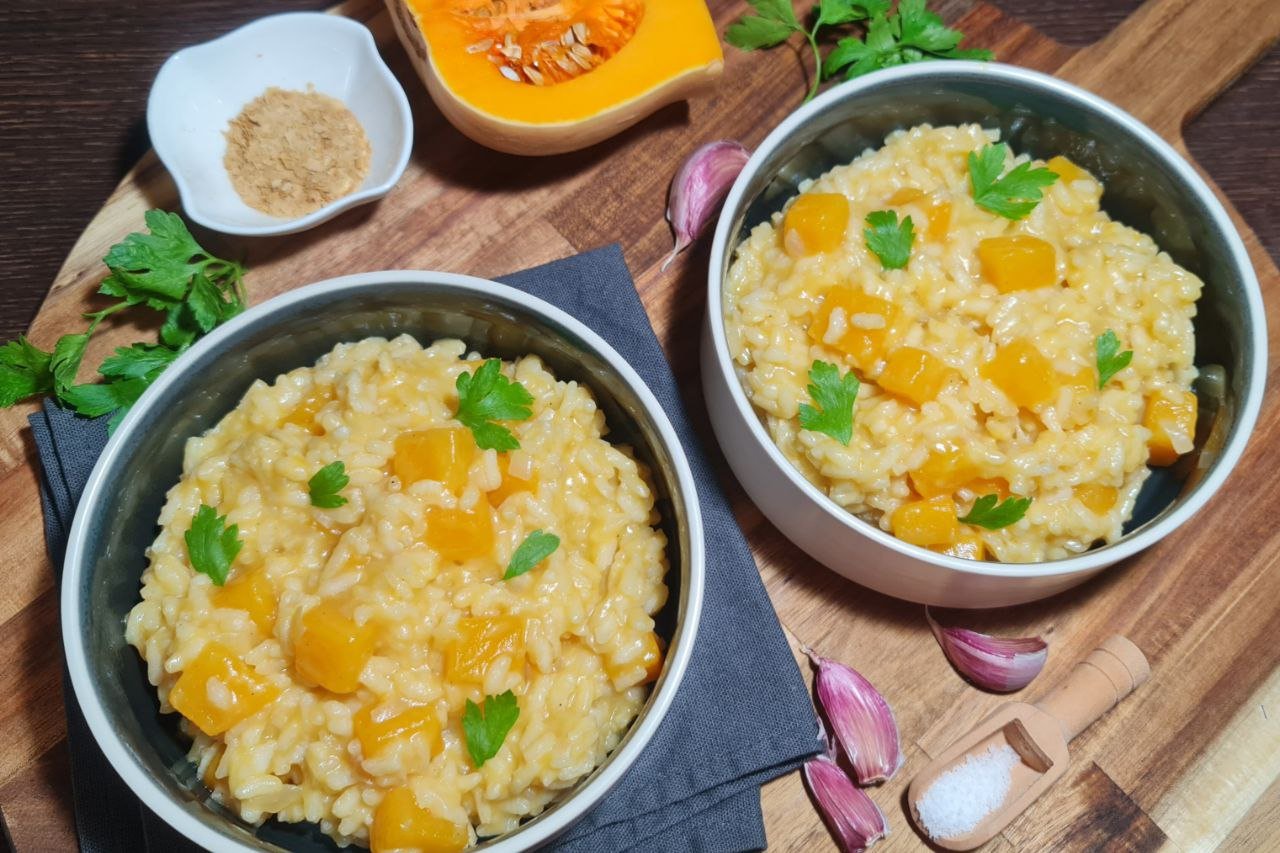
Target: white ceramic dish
x,y
201,88
1144,177
115,520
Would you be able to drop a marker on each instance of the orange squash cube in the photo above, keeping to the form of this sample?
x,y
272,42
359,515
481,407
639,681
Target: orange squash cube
x,y
1171,418
997,486
948,468
815,222
967,545
1018,262
915,375
650,657
1099,499
864,324
218,690
376,732
904,195
252,593
926,522
481,641
443,454
331,649
459,534
400,824
1066,171
1082,382
1025,376
510,483
304,414
939,221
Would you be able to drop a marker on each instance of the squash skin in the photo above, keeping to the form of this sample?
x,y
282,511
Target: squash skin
x,y
516,136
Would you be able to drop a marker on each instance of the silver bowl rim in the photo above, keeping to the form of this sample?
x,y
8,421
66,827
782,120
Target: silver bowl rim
x,y
582,798
1093,559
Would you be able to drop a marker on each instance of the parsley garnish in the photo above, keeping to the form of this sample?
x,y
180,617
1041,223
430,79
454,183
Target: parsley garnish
x,y
326,484
1110,360
889,240
1013,196
165,270
986,513
487,396
535,548
211,545
486,731
911,34
835,397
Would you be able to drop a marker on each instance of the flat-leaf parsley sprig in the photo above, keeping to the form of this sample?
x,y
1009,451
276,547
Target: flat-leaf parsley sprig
x,y
1110,359
325,484
888,239
1012,196
989,512
211,545
164,270
486,396
835,396
485,726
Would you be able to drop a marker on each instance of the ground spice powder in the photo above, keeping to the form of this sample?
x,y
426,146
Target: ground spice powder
x,y
290,153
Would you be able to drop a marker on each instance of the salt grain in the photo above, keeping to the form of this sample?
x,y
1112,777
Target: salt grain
x,y
962,797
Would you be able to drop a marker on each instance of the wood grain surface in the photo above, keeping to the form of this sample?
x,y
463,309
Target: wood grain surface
x,y
1190,762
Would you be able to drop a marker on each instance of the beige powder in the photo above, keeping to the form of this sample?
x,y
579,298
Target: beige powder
x,y
290,153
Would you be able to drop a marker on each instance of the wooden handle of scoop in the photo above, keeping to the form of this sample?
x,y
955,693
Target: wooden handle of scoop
x,y
1170,58
1110,672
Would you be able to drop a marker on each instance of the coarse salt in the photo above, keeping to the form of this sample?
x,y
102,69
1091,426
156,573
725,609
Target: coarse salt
x,y
962,797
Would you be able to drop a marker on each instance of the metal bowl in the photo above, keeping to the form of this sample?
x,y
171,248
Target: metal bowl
x,y
116,519
1148,186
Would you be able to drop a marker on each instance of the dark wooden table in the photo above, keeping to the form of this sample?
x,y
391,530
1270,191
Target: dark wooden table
x,y
73,86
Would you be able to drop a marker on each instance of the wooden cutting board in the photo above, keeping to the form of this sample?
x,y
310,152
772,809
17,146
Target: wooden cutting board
x,y
1190,762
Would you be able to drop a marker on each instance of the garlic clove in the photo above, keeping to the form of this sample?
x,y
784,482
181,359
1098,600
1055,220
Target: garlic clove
x,y
998,664
698,188
860,718
855,821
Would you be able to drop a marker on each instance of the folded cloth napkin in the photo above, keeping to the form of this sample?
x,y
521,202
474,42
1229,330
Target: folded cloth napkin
x,y
742,715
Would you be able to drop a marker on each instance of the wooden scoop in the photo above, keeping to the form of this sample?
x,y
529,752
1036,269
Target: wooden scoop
x,y
1039,734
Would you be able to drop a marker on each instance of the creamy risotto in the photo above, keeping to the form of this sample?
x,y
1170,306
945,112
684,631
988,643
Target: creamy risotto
x,y
328,679
980,361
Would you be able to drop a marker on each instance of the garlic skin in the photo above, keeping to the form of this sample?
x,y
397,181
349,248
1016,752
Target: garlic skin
x,y
998,664
860,718
855,821
698,188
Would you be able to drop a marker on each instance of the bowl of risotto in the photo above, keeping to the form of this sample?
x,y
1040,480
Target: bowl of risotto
x,y
400,560
974,334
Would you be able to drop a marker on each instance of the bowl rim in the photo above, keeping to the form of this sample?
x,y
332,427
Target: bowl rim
x,y
583,798
1094,559
156,118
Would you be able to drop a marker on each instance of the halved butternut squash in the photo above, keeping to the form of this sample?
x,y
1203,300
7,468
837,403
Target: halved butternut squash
x,y
549,76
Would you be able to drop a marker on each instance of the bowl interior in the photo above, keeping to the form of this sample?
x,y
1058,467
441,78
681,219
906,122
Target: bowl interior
x,y
119,530
201,89
1143,189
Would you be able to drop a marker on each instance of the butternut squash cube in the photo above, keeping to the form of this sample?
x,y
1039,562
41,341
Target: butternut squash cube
x,y
814,223
1025,376
904,195
1172,421
967,545
947,469
1099,499
459,534
443,454
377,732
1018,262
304,414
218,690
997,486
856,323
1066,171
915,375
252,593
939,221
331,649
651,658
510,482
400,824
481,641
926,522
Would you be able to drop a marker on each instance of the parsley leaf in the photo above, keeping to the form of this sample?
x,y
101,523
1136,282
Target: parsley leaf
x,y
1110,360
115,398
137,360
986,513
890,241
1013,196
25,370
486,396
325,485
486,731
772,24
211,546
911,34
159,263
835,396
535,548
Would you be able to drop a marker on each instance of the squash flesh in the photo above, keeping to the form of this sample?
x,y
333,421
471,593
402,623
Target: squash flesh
x,y
399,823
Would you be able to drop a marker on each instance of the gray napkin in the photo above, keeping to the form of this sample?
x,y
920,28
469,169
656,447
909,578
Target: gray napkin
x,y
742,715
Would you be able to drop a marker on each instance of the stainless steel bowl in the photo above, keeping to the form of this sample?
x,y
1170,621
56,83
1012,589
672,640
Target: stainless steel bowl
x,y
116,519
1148,186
